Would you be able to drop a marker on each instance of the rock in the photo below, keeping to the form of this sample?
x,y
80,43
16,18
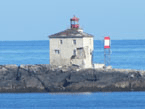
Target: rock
x,y
98,66
46,78
123,84
12,67
109,67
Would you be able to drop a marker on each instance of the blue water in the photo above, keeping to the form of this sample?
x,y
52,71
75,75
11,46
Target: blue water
x,y
128,54
115,100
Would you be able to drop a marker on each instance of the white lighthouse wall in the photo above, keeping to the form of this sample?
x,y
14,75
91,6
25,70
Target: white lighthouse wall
x,y
88,46
66,50
88,41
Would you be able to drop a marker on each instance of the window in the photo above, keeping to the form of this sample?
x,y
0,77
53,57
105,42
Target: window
x,y
57,51
61,42
74,52
74,42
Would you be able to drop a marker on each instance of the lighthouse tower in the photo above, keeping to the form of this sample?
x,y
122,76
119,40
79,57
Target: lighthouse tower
x,y
74,22
71,47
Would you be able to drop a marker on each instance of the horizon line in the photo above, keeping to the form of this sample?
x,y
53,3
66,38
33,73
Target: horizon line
x,y
48,40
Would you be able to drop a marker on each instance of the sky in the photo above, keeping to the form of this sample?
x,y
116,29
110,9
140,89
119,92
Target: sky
x,y
37,19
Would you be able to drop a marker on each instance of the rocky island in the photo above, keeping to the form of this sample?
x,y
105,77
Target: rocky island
x,y
46,78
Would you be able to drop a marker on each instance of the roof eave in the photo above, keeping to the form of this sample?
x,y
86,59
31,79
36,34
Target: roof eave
x,y
69,36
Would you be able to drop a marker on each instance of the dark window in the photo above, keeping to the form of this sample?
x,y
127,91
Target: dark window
x,y
74,52
61,42
57,51
74,42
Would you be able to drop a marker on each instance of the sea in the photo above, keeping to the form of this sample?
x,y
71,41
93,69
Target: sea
x,y
125,54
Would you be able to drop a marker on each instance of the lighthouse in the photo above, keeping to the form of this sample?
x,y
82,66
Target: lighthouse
x,y
74,22
71,47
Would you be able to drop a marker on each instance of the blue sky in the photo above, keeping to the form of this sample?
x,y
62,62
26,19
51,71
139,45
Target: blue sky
x,y
36,19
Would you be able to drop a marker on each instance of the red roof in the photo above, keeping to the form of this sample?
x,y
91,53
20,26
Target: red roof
x,y
74,19
107,38
75,25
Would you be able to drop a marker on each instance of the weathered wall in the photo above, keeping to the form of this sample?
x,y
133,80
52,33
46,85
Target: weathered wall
x,y
88,45
66,50
45,78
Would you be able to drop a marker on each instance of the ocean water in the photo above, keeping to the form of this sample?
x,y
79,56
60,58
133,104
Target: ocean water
x,y
115,100
128,54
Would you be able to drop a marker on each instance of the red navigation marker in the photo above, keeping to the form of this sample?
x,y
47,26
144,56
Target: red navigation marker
x,y
107,42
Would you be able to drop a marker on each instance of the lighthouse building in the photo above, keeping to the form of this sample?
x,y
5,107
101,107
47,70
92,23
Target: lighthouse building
x,y
71,47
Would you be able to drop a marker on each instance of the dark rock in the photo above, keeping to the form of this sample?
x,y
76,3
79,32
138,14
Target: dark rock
x,y
46,78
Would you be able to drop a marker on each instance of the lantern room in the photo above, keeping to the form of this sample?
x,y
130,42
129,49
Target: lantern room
x,y
74,22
